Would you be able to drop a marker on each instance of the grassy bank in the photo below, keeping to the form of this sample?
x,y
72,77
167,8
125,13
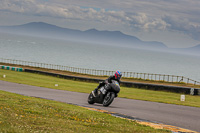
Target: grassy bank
x,y
26,114
103,77
86,87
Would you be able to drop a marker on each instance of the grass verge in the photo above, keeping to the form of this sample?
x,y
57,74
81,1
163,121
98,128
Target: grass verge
x,y
27,114
86,87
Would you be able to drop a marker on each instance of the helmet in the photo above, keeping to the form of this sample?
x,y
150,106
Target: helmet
x,y
118,75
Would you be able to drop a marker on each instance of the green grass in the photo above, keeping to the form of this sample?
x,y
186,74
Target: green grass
x,y
87,87
27,114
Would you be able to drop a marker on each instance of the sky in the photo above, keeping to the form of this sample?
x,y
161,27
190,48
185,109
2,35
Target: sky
x,y
176,23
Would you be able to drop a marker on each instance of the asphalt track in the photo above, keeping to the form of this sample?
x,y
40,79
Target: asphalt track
x,y
180,116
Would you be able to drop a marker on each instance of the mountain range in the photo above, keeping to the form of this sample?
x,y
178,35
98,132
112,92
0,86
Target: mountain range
x,y
115,38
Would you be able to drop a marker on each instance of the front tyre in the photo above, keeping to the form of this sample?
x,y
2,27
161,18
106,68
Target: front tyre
x,y
91,99
108,99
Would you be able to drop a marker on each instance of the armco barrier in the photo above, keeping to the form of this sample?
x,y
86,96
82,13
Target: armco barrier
x,y
177,89
3,67
8,67
19,69
11,68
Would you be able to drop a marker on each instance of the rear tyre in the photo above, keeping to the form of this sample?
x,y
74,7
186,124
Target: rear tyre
x,y
91,99
108,99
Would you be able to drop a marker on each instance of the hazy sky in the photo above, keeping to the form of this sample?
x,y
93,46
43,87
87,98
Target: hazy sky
x,y
176,23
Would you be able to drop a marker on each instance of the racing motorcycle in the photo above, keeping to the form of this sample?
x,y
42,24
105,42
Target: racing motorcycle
x,y
106,94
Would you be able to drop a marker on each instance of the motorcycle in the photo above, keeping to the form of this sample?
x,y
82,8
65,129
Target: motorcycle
x,y
106,94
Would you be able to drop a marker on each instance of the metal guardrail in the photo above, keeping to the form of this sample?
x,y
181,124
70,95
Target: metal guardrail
x,y
135,75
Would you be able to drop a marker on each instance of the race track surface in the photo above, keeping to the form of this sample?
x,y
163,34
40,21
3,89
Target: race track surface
x,y
180,116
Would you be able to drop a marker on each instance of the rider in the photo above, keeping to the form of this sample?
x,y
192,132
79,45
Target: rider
x,y
116,77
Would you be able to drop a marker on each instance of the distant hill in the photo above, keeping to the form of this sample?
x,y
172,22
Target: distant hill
x,y
94,36
115,38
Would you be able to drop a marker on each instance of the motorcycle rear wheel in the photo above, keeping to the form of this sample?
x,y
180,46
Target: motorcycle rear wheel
x,y
108,99
91,99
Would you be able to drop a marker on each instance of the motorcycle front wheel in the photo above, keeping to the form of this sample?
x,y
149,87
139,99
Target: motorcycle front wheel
x,y
108,99
91,99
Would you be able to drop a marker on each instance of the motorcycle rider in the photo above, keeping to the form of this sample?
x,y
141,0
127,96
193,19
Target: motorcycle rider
x,y
116,77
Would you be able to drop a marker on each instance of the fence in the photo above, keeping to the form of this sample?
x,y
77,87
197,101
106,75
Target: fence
x,y
135,75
